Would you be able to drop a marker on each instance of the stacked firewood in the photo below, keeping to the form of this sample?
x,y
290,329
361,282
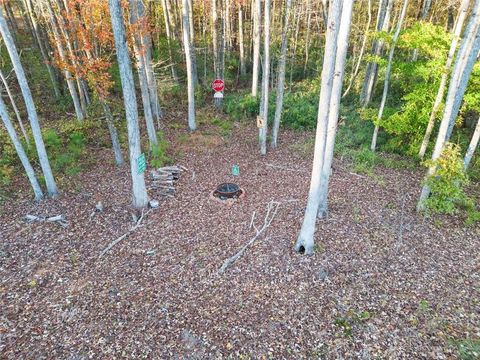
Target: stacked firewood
x,y
164,178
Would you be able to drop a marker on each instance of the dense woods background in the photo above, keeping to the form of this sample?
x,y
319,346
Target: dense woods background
x,y
375,85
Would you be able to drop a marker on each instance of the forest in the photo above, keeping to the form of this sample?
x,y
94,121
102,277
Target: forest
x,y
239,179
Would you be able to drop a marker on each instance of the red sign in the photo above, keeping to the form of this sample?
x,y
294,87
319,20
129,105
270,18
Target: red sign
x,y
218,85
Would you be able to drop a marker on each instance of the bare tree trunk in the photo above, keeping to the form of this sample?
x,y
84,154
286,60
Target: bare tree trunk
x,y
113,133
338,29
20,151
188,57
443,82
41,46
192,42
295,42
139,191
32,112
241,44
142,75
467,54
146,43
383,23
169,40
307,38
281,75
15,109
373,146
68,75
256,46
472,146
362,50
263,130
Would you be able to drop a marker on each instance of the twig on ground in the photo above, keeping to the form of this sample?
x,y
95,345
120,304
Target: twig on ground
x,y
116,241
272,209
59,219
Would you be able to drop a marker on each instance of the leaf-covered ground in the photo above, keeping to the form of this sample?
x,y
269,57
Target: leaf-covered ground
x,y
384,282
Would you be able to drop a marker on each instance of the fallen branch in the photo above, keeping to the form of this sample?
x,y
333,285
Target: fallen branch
x,y
59,219
116,241
272,209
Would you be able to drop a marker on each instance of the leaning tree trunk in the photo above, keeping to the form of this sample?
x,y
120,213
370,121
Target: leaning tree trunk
x,y
139,191
473,146
266,77
305,240
188,57
281,75
467,54
113,133
373,146
256,46
15,109
142,74
443,82
31,110
20,151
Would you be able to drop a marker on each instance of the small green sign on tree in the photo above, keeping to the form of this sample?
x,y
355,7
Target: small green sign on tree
x,y
141,164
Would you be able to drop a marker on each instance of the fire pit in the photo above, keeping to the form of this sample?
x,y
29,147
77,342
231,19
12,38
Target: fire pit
x,y
227,193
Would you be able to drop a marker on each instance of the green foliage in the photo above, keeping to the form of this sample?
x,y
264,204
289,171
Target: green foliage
x,y
158,157
447,183
469,349
240,106
64,152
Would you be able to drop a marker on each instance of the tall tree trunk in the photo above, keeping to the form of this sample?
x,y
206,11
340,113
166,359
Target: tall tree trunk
x,y
467,54
332,73
20,151
266,77
256,46
15,109
241,44
443,82
40,42
113,133
188,58
472,146
281,75
139,191
146,42
307,38
191,32
68,75
142,74
32,112
169,40
362,50
383,23
373,145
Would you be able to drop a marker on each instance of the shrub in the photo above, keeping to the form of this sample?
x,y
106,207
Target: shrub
x,y
447,183
159,156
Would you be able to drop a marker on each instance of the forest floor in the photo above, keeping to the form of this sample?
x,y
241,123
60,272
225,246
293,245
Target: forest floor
x,y
384,282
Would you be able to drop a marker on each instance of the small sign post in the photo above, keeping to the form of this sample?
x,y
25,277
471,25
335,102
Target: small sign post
x,y
218,86
235,170
141,164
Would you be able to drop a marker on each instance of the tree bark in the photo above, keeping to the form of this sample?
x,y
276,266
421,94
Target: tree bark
x,y
139,191
241,44
281,75
188,57
256,46
443,82
472,146
266,77
383,23
305,240
20,151
31,110
142,74
467,54
373,145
